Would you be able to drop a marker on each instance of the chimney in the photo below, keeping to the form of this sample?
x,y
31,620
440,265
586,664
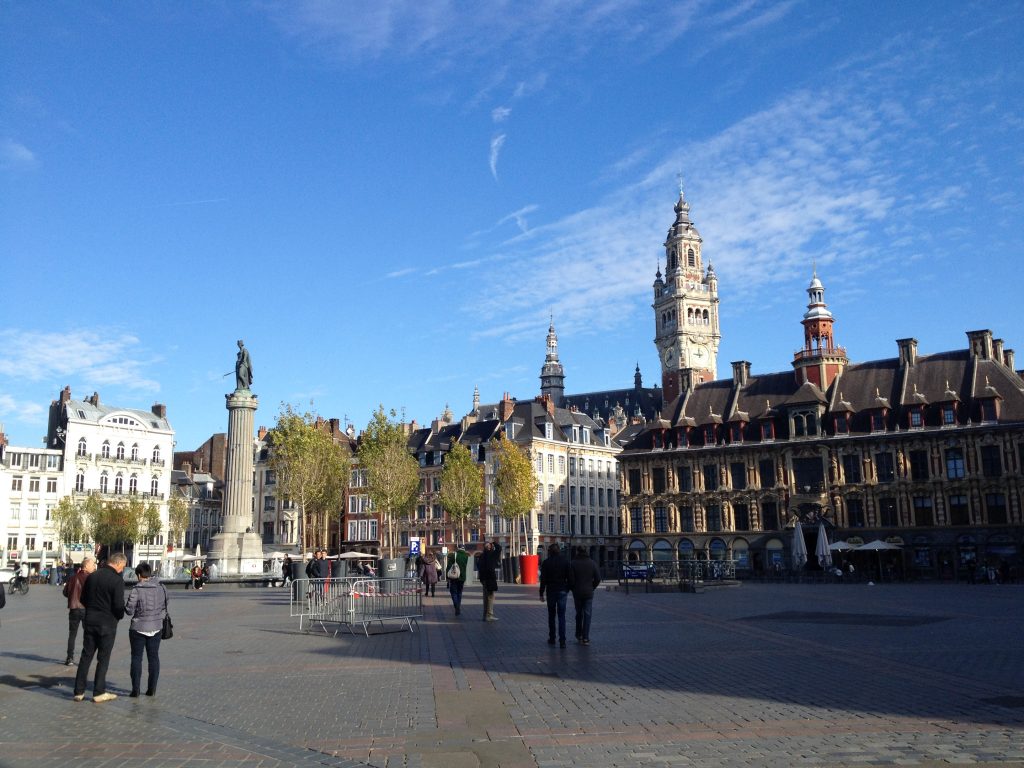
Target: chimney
x,y
740,372
94,400
506,407
261,433
159,410
997,350
186,467
1008,358
65,394
908,351
980,344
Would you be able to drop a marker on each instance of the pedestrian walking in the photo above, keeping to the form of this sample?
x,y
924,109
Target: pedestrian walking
x,y
147,606
490,561
585,578
429,574
556,580
286,570
456,583
103,598
76,610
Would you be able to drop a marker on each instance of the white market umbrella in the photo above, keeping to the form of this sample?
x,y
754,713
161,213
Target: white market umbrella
x,y
821,550
840,546
355,556
878,546
799,547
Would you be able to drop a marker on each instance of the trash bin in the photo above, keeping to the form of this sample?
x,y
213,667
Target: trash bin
x,y
529,568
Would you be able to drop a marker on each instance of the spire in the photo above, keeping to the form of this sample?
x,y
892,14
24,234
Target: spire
x,y
638,381
552,375
820,361
476,399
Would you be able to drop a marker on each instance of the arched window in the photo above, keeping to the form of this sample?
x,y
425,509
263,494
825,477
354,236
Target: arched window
x,y
103,483
672,259
691,259
135,452
80,482
156,454
118,484
154,486
120,451
686,549
105,450
637,551
81,447
689,315
662,551
707,318
133,484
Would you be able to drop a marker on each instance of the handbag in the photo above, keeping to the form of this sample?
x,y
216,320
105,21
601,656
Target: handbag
x,y
167,630
455,572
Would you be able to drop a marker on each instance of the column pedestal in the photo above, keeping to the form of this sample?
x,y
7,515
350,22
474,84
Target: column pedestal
x,y
236,549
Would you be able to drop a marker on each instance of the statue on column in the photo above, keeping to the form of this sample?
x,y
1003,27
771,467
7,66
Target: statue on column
x,y
243,368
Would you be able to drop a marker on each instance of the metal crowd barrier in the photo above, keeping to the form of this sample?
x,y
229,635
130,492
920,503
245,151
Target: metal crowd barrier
x,y
349,602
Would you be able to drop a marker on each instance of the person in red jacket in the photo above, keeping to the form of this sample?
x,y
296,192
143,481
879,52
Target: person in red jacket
x,y
76,611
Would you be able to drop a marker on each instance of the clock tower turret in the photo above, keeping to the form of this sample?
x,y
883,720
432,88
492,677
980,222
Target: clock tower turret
x,y
685,307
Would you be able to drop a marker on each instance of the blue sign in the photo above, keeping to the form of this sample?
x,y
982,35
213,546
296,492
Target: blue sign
x,y
414,546
643,571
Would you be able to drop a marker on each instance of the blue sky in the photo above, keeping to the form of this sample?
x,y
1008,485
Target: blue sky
x,y
386,200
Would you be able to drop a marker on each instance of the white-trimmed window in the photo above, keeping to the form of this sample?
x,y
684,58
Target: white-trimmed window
x,y
118,484
154,486
104,481
120,451
105,449
135,452
133,484
80,482
82,447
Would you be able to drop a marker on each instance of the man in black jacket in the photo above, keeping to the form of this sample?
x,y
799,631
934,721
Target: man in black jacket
x,y
585,578
103,598
490,561
556,579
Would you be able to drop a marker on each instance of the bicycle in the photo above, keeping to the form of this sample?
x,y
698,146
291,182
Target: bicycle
x,y
18,584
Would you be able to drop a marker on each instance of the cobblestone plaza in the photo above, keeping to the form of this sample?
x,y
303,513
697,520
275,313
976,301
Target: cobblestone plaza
x,y
761,675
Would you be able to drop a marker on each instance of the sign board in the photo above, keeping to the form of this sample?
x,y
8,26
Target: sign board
x,y
639,571
414,545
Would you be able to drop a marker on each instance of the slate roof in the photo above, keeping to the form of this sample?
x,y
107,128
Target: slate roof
x,y
82,409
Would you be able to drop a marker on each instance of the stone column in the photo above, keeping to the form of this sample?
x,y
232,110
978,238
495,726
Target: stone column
x,y
235,549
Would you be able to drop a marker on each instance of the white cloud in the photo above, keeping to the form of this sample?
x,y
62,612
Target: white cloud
x,y
19,410
15,155
519,217
500,114
92,358
401,272
496,144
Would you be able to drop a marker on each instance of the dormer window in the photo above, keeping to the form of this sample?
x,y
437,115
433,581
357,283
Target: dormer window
x,y
842,423
916,419
878,421
989,409
549,430
709,434
767,431
736,433
510,430
948,414
586,435
805,424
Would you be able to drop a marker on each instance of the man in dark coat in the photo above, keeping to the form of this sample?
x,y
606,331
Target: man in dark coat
x,y
490,561
556,579
76,609
103,598
585,578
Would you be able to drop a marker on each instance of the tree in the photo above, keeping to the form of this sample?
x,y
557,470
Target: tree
x,y
312,471
514,482
462,486
177,519
116,522
150,523
392,474
70,521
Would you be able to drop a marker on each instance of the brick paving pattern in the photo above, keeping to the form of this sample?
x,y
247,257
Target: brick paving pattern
x,y
760,675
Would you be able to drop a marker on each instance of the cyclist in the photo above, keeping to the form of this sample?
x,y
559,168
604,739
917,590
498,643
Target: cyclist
x,y
20,576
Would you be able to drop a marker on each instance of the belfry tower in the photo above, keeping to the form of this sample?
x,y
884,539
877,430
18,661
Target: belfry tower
x,y
552,374
685,307
820,361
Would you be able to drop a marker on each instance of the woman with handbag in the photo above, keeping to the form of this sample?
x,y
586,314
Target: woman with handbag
x,y
147,607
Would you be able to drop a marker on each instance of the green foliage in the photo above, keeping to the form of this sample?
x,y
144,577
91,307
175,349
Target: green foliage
x,y
115,522
177,519
462,486
514,480
70,521
392,472
312,471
